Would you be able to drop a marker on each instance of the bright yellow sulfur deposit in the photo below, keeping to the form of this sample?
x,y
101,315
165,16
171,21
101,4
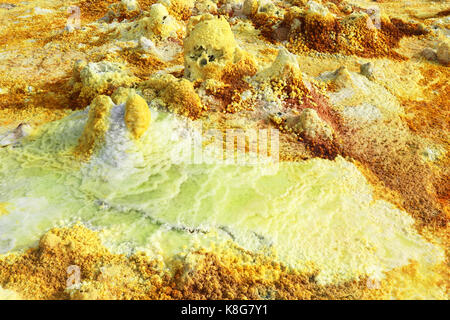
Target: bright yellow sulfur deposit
x,y
137,116
284,75
96,126
341,238
178,94
343,79
91,79
3,209
160,22
180,9
208,47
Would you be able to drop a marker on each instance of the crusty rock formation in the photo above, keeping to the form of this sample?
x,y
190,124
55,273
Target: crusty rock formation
x,y
96,126
120,95
156,24
443,54
178,95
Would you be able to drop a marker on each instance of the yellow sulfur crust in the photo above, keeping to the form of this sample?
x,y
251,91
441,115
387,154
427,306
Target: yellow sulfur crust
x,y
208,47
357,93
178,94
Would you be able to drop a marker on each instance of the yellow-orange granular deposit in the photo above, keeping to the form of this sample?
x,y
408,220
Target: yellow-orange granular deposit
x,y
388,155
234,82
101,78
137,115
3,208
178,94
141,65
405,159
96,126
94,9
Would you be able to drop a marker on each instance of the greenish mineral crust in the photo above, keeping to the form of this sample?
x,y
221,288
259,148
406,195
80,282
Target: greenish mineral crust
x,y
113,157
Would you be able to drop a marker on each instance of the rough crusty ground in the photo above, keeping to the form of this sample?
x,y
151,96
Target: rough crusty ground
x,y
41,273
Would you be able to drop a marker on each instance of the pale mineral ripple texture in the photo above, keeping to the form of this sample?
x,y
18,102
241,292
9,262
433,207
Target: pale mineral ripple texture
x,y
317,214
